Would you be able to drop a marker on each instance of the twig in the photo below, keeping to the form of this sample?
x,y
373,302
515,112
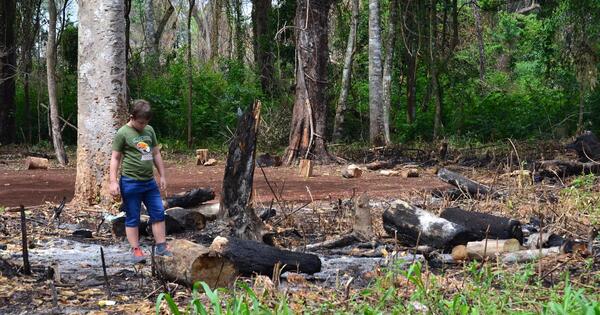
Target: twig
x,y
107,285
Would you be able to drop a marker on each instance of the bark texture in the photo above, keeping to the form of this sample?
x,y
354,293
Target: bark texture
x,y
100,95
376,132
307,132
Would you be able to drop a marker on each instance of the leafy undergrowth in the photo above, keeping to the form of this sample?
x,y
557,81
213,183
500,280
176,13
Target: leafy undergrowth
x,y
474,289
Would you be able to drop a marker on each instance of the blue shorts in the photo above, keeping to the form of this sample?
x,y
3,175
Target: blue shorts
x,y
134,192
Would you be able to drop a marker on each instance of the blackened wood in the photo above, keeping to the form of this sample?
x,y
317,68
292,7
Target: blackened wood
x,y
106,284
190,198
26,266
553,168
251,257
267,160
468,186
186,219
409,224
239,175
478,223
587,147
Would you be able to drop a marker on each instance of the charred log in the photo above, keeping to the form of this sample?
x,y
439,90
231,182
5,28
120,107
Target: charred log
x,y
485,225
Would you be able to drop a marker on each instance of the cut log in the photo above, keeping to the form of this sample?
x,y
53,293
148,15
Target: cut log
x,y
306,168
409,224
528,255
238,178
201,156
210,162
377,165
553,168
227,258
33,163
188,219
363,223
351,171
190,198
389,173
587,147
192,262
491,248
478,224
469,187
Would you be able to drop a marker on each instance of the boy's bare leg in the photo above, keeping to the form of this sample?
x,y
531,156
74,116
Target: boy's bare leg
x,y
158,231
133,236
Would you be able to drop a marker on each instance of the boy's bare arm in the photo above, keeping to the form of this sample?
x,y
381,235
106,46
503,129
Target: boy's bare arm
x,y
158,162
115,161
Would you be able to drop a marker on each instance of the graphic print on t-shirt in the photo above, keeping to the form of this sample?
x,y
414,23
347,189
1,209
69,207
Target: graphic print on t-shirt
x,y
141,143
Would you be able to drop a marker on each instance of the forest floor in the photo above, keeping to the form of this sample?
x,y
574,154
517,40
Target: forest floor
x,y
394,279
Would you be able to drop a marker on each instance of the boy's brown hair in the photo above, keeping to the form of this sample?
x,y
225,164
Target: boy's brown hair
x,y
141,109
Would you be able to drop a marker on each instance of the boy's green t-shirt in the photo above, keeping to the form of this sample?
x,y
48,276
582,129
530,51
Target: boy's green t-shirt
x,y
137,151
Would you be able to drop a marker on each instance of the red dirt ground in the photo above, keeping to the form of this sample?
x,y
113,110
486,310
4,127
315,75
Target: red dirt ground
x,y
34,187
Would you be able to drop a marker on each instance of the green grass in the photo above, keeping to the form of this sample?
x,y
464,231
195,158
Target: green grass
x,y
485,289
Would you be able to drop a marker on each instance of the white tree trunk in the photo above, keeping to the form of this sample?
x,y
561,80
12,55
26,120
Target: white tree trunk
x,y
101,92
376,134
387,69
57,141
346,74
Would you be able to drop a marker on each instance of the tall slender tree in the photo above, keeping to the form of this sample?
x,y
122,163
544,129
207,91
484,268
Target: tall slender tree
x,y
307,132
8,64
51,48
376,130
262,39
340,111
101,102
387,68
192,4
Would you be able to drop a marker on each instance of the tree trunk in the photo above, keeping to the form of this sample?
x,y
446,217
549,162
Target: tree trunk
x,y
59,148
239,176
101,101
192,3
340,111
480,42
240,52
411,88
263,37
387,69
30,12
307,132
376,130
214,35
581,108
8,64
149,29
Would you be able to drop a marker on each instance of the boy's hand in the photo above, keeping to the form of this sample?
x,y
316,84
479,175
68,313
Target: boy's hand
x,y
114,189
163,183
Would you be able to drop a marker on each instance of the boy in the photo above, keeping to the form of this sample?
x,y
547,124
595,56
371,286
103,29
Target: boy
x,y
135,145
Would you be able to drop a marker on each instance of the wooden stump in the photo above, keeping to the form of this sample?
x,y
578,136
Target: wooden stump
x,y
409,224
484,225
32,163
351,171
363,222
306,168
201,156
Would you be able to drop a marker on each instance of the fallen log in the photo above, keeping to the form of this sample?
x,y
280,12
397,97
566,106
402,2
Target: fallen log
x,y
489,248
188,219
210,211
587,147
337,242
553,168
485,225
412,225
528,255
451,194
377,165
190,198
227,258
172,226
34,163
468,186
268,160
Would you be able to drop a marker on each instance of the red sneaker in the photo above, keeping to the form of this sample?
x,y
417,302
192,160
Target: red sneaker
x,y
138,256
